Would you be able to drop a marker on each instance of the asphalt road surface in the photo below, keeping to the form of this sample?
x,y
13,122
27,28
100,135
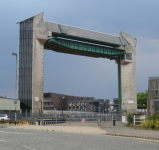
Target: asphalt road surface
x,y
20,139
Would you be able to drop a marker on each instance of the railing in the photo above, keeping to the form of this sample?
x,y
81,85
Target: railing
x,y
47,100
139,119
48,106
141,110
69,121
114,103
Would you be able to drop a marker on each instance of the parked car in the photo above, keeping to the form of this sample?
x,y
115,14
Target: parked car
x,y
4,117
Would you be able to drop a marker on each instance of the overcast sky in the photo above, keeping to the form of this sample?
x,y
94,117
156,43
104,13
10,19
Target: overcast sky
x,y
79,75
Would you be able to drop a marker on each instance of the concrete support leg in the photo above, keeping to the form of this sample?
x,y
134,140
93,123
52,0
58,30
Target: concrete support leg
x,y
119,83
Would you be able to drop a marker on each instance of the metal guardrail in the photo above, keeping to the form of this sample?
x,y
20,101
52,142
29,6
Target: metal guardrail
x,y
52,121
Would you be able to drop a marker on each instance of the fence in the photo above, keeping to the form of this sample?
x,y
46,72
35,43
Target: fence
x,y
67,115
142,111
69,121
139,119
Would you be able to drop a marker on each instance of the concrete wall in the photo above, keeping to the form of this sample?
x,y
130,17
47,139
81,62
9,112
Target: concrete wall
x,y
7,104
128,76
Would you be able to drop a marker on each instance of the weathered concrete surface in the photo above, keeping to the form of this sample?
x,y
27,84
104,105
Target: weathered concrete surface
x,y
128,76
40,35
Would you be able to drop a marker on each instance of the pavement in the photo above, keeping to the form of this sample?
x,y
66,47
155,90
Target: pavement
x,y
120,129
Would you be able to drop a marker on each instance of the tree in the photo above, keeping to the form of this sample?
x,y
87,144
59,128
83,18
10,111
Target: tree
x,y
142,100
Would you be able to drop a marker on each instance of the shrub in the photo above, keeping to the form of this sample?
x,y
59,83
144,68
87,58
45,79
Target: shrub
x,y
3,121
153,117
129,118
156,124
147,124
10,122
20,122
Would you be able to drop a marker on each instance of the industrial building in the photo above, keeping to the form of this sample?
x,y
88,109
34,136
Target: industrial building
x,y
96,105
52,101
153,96
7,106
115,105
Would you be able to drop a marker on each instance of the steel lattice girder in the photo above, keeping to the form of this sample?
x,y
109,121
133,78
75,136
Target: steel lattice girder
x,y
80,48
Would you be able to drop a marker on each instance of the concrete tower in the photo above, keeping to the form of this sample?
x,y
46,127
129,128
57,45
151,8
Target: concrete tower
x,y
32,36
128,74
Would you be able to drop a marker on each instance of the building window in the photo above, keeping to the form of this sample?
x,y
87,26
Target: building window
x,y
122,56
129,56
78,99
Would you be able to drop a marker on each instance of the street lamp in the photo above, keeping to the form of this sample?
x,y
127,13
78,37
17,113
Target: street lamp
x,y
104,110
15,102
62,103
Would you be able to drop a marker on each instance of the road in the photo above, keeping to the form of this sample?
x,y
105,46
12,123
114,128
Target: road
x,y
20,139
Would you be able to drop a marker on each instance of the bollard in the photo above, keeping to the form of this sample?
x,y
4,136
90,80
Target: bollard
x,y
44,122
39,122
114,121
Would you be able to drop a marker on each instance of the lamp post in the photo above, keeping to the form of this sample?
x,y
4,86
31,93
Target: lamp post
x,y
104,110
14,54
62,103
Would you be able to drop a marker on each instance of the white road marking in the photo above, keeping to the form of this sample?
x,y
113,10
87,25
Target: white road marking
x,y
27,147
2,141
18,133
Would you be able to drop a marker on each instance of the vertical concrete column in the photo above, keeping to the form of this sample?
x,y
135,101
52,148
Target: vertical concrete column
x,y
128,74
40,35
